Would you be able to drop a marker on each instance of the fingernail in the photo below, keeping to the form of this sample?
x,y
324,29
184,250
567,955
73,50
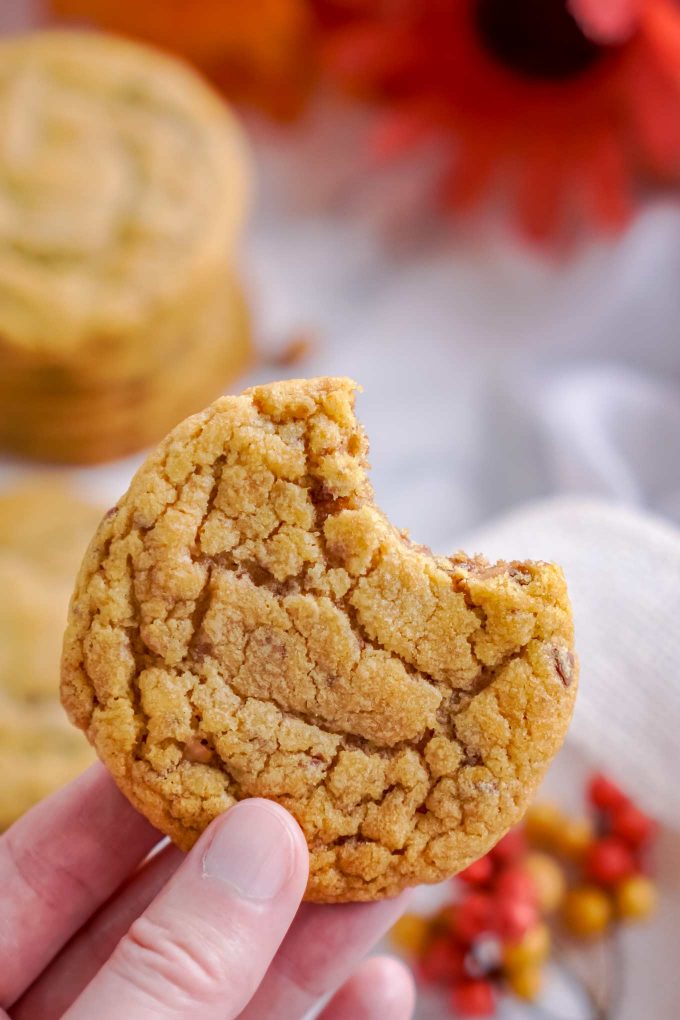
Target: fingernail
x,y
252,851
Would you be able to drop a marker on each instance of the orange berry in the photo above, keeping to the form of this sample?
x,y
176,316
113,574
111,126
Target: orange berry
x,y
526,982
636,898
542,825
574,838
533,949
586,911
549,880
410,933
444,921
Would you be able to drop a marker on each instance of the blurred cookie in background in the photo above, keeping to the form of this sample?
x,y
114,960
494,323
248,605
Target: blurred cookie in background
x,y
123,190
44,529
87,423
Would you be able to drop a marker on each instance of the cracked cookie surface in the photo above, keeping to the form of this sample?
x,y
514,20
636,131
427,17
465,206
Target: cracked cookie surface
x,y
247,623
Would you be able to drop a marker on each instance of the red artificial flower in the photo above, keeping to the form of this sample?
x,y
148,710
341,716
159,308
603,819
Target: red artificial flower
x,y
564,108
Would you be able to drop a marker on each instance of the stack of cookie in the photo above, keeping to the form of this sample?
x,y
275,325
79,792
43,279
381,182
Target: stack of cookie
x,y
44,529
123,189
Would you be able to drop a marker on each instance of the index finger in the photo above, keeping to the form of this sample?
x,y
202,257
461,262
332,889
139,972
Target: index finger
x,y
57,865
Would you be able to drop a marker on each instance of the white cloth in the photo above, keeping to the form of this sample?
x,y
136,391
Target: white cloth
x,y
493,374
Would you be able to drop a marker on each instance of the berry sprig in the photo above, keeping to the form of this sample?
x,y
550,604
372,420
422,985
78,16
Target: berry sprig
x,y
607,857
584,874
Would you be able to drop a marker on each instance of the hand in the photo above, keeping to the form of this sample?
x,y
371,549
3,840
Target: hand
x,y
86,930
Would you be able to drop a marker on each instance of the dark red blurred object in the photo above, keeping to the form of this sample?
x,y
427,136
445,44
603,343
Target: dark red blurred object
x,y
442,962
604,794
609,861
517,884
478,873
511,848
633,826
473,999
475,916
514,918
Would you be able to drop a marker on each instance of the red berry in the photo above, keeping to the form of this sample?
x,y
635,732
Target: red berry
x,y
473,999
475,916
443,962
514,918
609,861
478,873
517,884
604,794
510,848
632,825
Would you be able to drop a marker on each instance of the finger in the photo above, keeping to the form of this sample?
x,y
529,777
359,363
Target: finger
x,y
64,979
206,941
382,987
322,949
57,865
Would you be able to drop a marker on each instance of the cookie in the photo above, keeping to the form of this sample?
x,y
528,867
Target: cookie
x,y
123,188
45,524
247,622
90,424
43,532
38,754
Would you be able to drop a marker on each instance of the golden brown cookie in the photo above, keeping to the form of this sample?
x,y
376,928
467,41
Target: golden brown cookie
x,y
44,528
90,423
247,623
123,190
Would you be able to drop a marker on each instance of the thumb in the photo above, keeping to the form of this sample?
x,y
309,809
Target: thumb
x,y
207,939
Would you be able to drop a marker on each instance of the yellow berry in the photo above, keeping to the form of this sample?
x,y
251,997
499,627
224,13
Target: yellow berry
x,y
526,982
533,949
549,880
542,824
574,838
586,911
636,898
410,933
